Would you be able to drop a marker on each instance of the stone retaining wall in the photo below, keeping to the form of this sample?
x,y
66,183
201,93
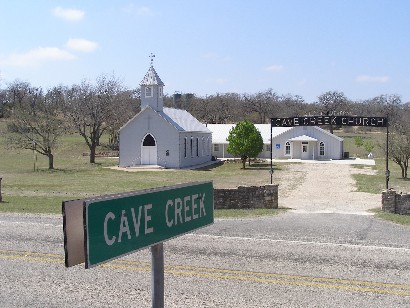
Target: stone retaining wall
x,y
247,197
393,202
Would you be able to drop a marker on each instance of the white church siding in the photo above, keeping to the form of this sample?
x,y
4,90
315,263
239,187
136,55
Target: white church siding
x,y
333,144
196,154
133,133
168,128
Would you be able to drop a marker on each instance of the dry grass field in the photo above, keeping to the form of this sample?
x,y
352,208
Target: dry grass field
x,y
28,186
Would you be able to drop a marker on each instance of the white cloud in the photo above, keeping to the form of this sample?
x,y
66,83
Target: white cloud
x,y
68,14
37,56
139,10
81,45
220,81
274,68
374,79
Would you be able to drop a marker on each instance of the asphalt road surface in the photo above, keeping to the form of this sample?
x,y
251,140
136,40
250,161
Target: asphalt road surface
x,y
292,260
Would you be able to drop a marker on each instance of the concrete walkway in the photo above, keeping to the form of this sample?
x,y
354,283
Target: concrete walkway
x,y
160,168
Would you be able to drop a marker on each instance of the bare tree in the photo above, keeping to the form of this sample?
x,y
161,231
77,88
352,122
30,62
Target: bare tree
x,y
261,103
125,105
399,143
14,95
290,106
3,103
219,108
37,122
90,108
332,103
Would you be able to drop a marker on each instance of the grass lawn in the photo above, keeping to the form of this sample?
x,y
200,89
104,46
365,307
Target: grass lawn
x,y
396,218
42,191
247,213
374,183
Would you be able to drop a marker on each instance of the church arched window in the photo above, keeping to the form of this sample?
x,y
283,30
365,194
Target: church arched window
x,y
322,148
287,148
149,141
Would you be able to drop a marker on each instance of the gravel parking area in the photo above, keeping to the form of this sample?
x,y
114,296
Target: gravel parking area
x,y
325,188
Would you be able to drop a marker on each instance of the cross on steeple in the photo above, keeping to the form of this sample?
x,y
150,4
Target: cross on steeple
x,y
152,56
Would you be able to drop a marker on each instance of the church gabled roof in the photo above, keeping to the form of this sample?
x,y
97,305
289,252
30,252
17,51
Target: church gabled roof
x,y
182,120
303,138
151,78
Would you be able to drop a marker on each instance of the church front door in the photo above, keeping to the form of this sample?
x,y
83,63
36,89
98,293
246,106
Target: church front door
x,y
149,151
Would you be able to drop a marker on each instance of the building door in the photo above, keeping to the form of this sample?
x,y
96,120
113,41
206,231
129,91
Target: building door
x,y
305,150
149,151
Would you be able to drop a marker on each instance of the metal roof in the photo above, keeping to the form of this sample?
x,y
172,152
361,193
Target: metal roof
x,y
182,120
151,78
303,138
220,132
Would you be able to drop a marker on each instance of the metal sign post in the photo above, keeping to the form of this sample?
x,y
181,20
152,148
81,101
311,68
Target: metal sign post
x,y
387,156
271,156
104,228
157,288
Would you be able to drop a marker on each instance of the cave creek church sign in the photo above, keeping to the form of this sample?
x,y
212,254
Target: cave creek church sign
x,y
117,225
329,120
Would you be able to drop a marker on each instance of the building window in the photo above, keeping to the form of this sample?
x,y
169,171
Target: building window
x,y
192,146
160,92
149,141
197,147
322,149
216,147
185,145
267,147
287,148
148,92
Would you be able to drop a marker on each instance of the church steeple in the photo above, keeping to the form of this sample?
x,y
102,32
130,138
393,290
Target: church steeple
x,y
152,89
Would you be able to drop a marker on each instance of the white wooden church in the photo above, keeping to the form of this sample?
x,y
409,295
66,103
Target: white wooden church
x,y
167,137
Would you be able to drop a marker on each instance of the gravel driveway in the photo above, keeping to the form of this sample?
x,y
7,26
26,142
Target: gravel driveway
x,y
325,188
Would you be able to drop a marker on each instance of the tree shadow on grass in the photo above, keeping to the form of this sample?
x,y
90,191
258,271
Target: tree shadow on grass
x,y
262,167
87,168
210,167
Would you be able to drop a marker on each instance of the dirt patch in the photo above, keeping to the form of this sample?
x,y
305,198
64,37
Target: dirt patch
x,y
325,188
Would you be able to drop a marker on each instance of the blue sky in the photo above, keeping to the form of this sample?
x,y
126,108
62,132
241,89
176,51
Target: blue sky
x,y
305,48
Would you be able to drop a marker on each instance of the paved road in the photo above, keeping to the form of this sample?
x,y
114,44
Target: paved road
x,y
292,260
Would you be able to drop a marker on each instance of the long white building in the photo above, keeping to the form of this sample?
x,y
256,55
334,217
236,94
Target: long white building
x,y
301,142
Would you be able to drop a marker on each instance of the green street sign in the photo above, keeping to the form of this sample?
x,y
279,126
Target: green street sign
x,y
118,225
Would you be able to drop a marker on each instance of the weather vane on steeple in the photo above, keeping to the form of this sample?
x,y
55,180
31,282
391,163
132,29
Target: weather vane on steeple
x,y
152,56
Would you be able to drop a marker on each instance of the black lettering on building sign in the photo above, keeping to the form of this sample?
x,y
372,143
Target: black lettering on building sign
x,y
329,120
